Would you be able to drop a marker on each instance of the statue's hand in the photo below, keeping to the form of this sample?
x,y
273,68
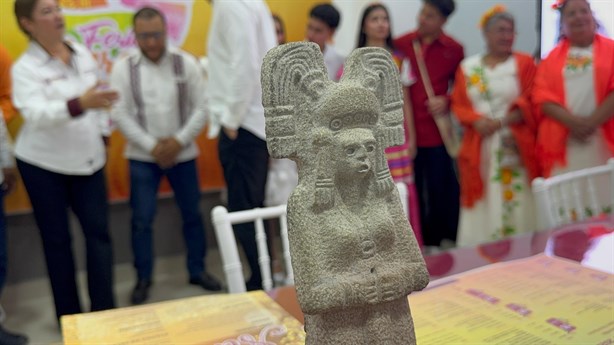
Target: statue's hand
x,y
374,288
388,288
370,291
361,290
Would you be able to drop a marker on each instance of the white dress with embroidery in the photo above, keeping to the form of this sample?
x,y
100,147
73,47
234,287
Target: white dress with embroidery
x,y
507,207
580,93
578,75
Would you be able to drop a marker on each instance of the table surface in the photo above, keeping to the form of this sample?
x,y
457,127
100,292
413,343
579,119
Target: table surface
x,y
470,289
578,242
537,300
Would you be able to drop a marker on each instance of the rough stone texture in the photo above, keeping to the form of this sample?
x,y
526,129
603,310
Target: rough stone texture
x,y
354,255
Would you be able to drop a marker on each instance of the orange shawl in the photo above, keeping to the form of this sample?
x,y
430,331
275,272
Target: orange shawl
x,y
5,85
550,87
472,186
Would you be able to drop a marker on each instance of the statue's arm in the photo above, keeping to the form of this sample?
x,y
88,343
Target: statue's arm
x,y
406,271
320,287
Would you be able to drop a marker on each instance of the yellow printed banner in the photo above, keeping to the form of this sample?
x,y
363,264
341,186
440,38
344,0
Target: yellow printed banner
x,y
105,28
224,319
539,300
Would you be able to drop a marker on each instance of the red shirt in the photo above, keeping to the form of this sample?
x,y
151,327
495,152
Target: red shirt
x,y
441,58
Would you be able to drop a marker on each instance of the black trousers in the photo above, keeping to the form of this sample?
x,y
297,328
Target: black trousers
x,y
438,194
51,194
245,164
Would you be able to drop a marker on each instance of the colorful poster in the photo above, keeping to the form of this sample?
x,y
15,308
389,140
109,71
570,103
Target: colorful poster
x,y
105,26
539,300
225,319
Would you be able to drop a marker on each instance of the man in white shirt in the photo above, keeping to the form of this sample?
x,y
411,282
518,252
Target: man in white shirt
x,y
161,111
323,22
241,34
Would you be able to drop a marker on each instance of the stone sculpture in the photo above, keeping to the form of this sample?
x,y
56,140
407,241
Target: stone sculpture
x,y
354,255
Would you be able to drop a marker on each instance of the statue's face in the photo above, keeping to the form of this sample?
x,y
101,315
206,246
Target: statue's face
x,y
357,148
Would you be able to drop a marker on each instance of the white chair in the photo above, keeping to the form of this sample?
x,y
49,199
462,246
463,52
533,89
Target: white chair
x,y
222,223
574,196
404,195
233,269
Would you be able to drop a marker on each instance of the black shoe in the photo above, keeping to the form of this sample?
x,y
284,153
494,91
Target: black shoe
x,y
8,338
207,282
141,292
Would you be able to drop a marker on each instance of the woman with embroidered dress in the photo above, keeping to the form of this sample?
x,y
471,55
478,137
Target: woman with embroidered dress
x,y
496,160
574,95
375,32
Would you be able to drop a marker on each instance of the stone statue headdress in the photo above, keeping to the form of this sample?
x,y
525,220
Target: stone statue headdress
x,y
304,108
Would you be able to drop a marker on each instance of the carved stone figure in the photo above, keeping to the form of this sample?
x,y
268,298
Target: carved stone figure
x,y
354,255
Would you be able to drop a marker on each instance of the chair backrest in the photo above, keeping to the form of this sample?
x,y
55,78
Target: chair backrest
x,y
233,269
574,196
404,195
222,223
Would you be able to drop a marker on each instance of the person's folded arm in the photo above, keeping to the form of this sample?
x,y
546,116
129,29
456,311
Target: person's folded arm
x,y
35,107
558,112
604,111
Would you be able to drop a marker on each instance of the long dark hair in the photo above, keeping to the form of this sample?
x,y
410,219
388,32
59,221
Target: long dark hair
x,y
362,37
277,19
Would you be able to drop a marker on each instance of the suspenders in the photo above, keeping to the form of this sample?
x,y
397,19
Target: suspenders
x,y
182,89
135,84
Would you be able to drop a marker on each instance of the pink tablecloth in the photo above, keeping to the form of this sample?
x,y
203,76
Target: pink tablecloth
x,y
585,242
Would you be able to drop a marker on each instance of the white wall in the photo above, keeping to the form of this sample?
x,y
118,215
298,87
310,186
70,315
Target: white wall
x,y
462,25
